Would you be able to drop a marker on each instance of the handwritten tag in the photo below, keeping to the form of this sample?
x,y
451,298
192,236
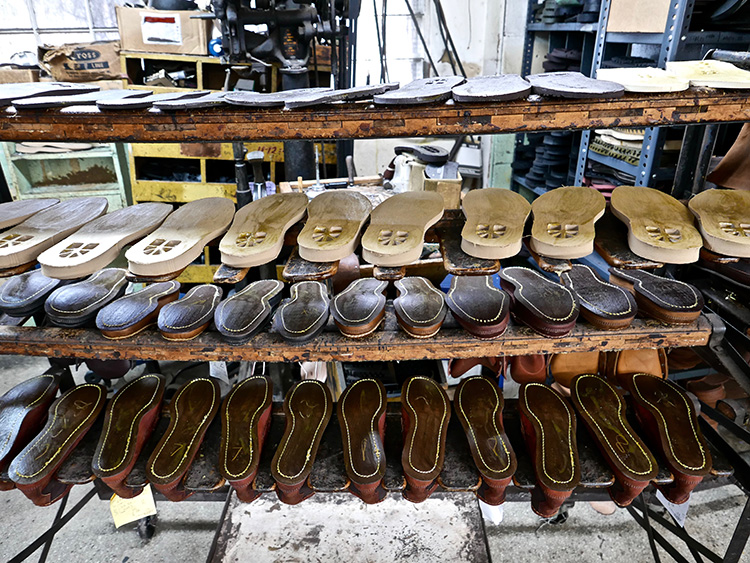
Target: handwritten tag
x,y
127,510
678,511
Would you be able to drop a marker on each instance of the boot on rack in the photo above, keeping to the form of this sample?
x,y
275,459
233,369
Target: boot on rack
x,y
245,420
70,418
129,420
668,418
479,406
425,413
361,414
548,424
191,411
307,407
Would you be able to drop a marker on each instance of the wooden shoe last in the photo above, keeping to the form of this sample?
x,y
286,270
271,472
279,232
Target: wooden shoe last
x,y
247,311
308,407
480,307
425,413
129,419
395,236
25,241
604,305
547,307
190,413
257,232
70,418
131,314
361,414
360,308
420,308
564,220
495,219
245,420
660,228
548,424
602,411
186,318
334,220
78,303
479,406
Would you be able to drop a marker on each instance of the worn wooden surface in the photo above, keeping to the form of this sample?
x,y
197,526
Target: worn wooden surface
x,y
364,120
298,269
457,262
382,345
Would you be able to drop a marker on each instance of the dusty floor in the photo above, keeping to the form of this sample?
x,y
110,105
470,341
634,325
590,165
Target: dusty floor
x,y
340,527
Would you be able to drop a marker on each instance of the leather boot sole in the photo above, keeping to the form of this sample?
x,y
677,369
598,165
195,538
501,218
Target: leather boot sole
x,y
308,407
129,420
361,414
479,407
549,428
246,418
425,413
190,413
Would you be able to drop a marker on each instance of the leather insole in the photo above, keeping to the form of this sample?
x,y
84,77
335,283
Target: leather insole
x,y
191,411
421,91
573,85
603,304
496,88
478,305
24,294
359,411
134,312
359,309
420,308
305,314
429,412
682,442
603,412
19,91
308,407
479,407
77,303
186,318
556,457
240,436
344,94
117,447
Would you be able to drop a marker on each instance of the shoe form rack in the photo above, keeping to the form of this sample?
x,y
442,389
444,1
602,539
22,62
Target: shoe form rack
x,y
362,120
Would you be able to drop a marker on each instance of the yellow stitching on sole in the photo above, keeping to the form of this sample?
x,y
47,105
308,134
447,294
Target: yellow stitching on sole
x,y
521,295
401,287
252,419
27,408
264,300
293,299
372,429
416,425
491,287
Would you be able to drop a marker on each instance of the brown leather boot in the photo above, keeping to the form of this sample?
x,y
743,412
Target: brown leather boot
x,y
245,420
622,364
548,425
128,422
70,418
308,407
479,407
602,411
668,419
191,411
425,412
361,414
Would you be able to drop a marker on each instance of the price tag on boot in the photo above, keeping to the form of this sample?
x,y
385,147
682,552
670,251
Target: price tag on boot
x,y
126,510
678,511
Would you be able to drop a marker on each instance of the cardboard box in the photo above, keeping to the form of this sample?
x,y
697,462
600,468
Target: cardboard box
x,y
162,31
11,75
638,16
82,62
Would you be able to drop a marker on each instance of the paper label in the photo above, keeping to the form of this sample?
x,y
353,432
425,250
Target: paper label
x,y
678,511
127,510
494,514
161,29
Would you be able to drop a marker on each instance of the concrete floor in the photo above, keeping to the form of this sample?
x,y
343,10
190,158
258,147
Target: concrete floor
x,y
340,527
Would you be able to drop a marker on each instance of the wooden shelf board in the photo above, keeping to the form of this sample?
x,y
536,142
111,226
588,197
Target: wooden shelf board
x,y
365,120
383,345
